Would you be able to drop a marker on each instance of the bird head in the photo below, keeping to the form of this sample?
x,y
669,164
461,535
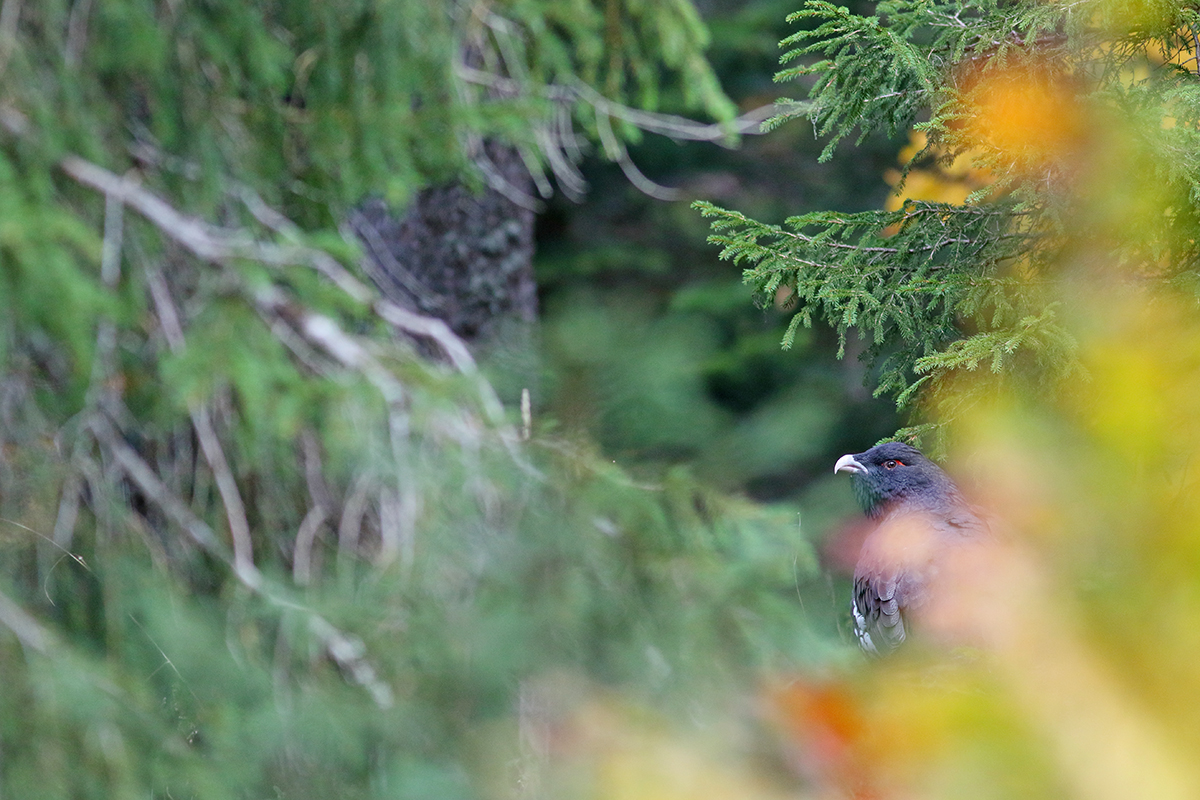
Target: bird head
x,y
893,473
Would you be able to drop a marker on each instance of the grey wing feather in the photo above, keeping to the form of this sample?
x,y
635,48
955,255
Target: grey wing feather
x,y
878,620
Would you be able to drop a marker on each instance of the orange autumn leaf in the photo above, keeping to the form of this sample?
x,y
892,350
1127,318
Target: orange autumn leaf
x,y
1028,113
827,730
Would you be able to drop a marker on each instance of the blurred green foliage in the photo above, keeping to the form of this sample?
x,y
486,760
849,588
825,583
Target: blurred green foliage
x,y
145,683
254,540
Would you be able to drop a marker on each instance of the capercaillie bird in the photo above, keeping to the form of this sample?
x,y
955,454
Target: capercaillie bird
x,y
921,519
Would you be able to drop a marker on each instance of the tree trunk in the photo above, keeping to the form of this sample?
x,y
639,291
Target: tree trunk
x,y
464,257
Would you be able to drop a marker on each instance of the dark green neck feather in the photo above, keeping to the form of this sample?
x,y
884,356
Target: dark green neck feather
x,y
868,496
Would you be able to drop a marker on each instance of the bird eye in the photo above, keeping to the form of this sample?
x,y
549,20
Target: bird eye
x,y
892,463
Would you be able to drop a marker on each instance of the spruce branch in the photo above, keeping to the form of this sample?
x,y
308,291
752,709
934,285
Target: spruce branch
x,y
939,288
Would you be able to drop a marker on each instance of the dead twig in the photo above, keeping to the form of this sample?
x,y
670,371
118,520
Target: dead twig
x,y
347,651
321,509
157,492
219,246
670,125
306,536
210,443
350,526
28,630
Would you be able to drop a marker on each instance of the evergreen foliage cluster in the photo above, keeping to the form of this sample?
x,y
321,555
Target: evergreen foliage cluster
x,y
652,344
254,542
1030,92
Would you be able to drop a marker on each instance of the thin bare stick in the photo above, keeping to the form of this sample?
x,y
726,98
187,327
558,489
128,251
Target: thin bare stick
x,y
526,415
616,151
77,32
398,530
266,215
314,473
210,443
106,344
669,125
566,132
167,662
350,525
350,654
347,651
28,630
328,335
78,559
10,15
391,534
322,508
147,480
235,510
298,346
368,234
433,328
569,178
495,178
68,509
114,238
202,240
455,349
306,536
534,168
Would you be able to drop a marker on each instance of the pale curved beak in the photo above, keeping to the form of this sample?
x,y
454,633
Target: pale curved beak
x,y
848,463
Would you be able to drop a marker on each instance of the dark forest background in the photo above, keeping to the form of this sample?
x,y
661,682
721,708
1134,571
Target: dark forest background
x,y
654,345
